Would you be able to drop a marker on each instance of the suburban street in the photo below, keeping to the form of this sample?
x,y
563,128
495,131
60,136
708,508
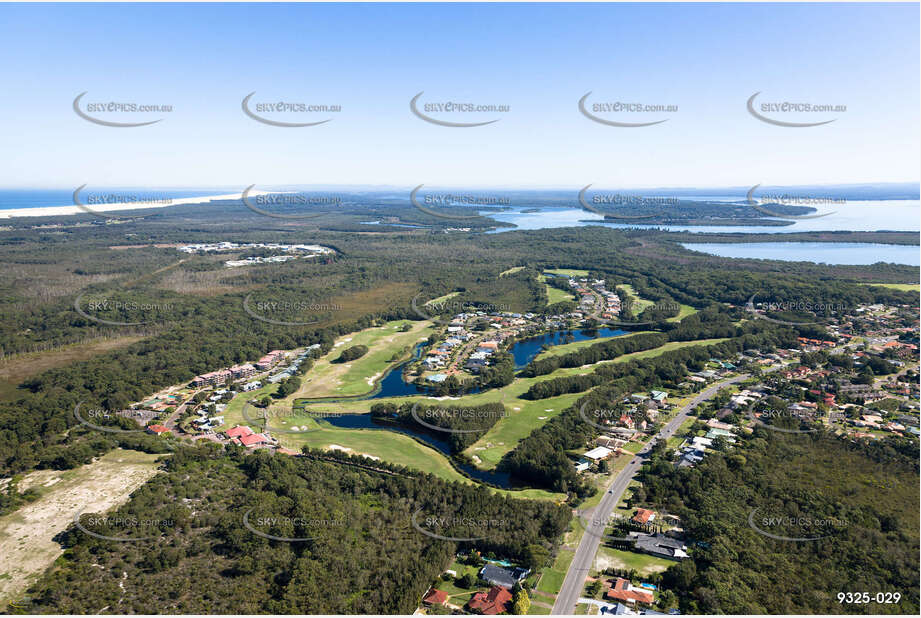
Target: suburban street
x,y
581,564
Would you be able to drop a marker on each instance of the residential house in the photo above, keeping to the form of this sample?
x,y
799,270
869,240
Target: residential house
x,y
435,597
622,590
501,576
496,600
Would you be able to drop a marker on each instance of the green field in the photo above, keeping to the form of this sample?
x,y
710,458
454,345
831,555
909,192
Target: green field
x,y
551,579
683,312
330,379
520,423
556,295
442,299
511,271
905,287
567,272
639,304
538,609
508,432
678,438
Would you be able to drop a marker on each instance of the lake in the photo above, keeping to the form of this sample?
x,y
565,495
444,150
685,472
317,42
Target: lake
x,y
858,216
525,350
852,253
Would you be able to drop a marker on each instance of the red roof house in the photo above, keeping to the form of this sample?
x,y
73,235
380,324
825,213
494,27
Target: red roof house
x,y
254,439
435,597
490,603
157,429
623,590
644,516
239,431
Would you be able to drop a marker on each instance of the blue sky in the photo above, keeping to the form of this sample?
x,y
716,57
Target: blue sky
x,y
539,59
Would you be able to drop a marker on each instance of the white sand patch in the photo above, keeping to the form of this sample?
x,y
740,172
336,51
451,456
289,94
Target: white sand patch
x,y
518,409
541,418
45,211
549,410
337,447
443,398
476,459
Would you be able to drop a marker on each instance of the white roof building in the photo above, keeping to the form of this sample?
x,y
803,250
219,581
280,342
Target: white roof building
x,y
599,452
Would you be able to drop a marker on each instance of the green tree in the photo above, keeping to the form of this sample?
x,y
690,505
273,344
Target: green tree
x,y
521,603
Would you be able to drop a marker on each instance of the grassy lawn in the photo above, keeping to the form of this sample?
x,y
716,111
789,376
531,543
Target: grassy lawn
x,y
388,446
508,432
678,438
442,299
556,295
520,423
538,609
622,508
683,312
644,564
638,303
511,271
905,287
329,379
551,580
568,272
602,480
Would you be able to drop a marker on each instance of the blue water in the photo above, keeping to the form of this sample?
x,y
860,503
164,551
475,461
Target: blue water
x,y
526,350
36,198
860,215
365,421
819,252
393,385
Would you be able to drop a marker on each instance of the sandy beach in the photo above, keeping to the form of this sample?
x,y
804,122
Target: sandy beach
x,y
49,211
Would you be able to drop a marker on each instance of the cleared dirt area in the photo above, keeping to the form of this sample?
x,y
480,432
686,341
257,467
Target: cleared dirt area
x,y
26,544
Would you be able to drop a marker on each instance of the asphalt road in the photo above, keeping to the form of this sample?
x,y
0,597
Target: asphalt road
x,y
595,523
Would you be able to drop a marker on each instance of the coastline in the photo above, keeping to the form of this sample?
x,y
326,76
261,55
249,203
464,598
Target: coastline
x,y
57,211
